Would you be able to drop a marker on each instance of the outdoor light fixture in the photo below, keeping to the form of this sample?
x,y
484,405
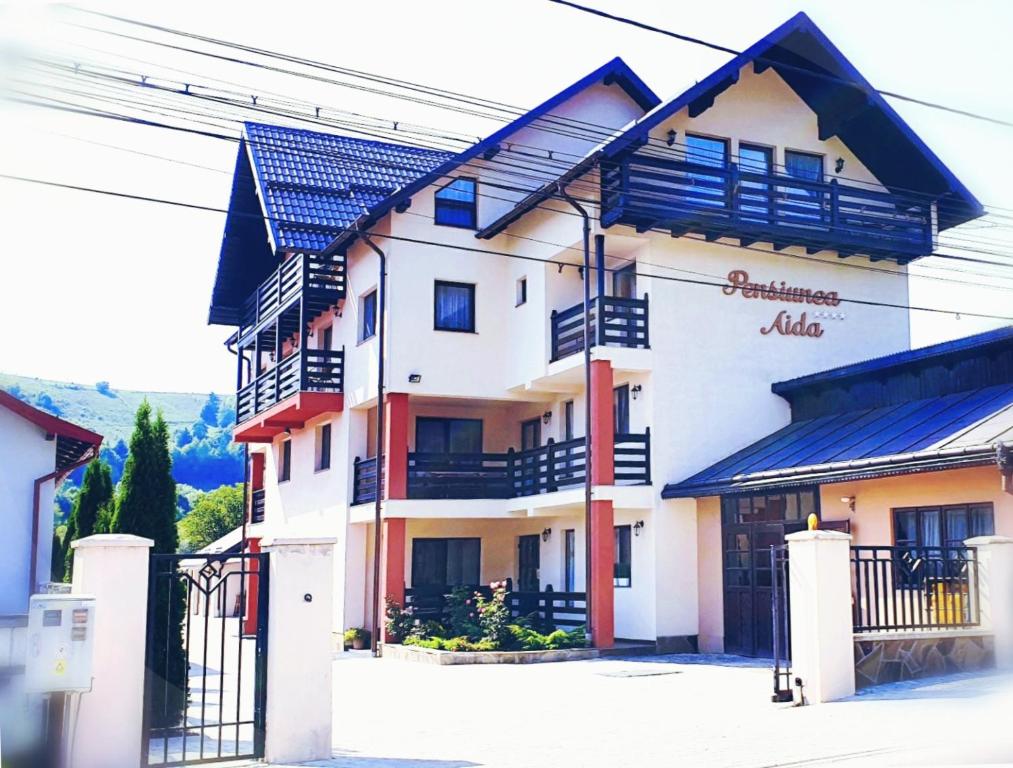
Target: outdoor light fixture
x,y
546,417
546,533
414,378
839,165
635,391
671,138
638,527
850,501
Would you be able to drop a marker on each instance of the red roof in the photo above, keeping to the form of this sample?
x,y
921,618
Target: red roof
x,y
76,441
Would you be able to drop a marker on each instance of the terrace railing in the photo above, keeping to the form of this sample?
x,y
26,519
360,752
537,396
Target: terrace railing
x,y
615,321
363,480
307,370
258,506
914,588
562,610
320,280
728,201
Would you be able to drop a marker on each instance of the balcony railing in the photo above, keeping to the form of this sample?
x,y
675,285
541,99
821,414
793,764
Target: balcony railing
x,y
562,610
551,467
319,279
914,588
257,506
615,320
649,192
308,370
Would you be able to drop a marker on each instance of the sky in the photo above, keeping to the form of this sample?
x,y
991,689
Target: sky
x,y
102,289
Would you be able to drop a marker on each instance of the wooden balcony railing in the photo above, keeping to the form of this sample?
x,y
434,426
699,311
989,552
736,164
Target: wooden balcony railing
x,y
616,321
561,610
257,506
650,192
551,467
307,370
319,279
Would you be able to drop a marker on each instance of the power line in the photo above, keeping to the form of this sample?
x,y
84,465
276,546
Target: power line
x,y
469,249
809,72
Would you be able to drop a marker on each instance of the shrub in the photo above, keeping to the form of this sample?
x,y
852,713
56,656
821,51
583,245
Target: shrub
x,y
494,614
463,615
450,644
356,634
399,621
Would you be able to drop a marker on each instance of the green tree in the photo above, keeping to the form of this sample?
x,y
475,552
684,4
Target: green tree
x,y
96,495
209,413
56,563
146,506
214,514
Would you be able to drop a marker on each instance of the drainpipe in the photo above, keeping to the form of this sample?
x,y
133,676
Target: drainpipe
x,y
380,424
247,507
586,230
57,475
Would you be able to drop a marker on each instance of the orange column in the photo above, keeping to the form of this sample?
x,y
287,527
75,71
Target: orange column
x,y
392,566
602,518
602,424
252,587
396,448
603,545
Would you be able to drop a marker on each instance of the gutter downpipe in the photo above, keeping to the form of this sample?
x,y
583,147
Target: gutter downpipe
x,y
247,506
380,426
586,231
56,475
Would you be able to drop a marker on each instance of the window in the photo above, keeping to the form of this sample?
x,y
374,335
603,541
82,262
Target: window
x,y
948,526
803,165
326,337
621,571
754,196
368,315
456,204
522,291
706,189
323,448
624,282
807,167
621,409
569,560
568,420
446,562
773,507
704,150
285,461
454,307
435,435
531,434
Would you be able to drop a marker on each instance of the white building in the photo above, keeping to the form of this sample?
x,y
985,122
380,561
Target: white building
x,y
733,228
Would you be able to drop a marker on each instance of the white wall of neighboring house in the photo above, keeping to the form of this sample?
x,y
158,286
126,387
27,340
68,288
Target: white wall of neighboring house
x,y
25,455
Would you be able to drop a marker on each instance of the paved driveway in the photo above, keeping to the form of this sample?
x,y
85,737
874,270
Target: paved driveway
x,y
657,711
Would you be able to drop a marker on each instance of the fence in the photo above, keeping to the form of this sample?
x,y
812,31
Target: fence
x,y
557,609
914,588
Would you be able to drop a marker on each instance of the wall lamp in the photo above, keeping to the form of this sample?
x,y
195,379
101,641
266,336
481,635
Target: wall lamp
x,y
850,501
671,138
638,527
839,165
636,390
546,533
546,417
414,378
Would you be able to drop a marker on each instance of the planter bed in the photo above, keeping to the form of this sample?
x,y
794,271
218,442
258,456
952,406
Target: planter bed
x,y
432,656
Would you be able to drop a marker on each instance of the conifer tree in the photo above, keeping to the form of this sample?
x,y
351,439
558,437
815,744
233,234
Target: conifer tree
x,y
146,506
95,495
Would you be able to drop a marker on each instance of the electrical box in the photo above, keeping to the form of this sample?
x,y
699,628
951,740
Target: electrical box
x,y
60,642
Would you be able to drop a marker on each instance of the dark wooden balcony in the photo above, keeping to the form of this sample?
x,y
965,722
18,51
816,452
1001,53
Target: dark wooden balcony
x,y
653,193
615,321
305,384
258,506
561,610
551,467
318,280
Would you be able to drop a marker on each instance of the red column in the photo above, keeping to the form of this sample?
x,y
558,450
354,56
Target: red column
x,y
396,449
602,424
603,545
392,565
602,519
252,587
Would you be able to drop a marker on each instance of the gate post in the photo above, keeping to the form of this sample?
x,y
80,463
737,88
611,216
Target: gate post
x,y
298,712
995,593
113,568
822,644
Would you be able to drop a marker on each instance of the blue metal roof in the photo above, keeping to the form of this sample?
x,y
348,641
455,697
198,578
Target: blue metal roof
x,y
845,104
935,433
934,352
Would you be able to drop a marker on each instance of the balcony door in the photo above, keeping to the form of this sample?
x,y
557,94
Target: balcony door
x,y
753,194
528,562
441,435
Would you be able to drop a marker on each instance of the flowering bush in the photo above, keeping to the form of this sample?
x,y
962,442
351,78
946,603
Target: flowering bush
x,y
463,614
494,614
399,621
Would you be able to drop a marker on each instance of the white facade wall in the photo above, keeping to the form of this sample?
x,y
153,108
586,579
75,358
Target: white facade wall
x,y
25,455
705,380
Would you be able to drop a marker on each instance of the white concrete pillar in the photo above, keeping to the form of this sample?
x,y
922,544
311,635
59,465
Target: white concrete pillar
x,y
113,568
300,611
995,593
822,646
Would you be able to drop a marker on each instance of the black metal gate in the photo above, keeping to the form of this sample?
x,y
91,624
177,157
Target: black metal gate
x,y
206,659
780,608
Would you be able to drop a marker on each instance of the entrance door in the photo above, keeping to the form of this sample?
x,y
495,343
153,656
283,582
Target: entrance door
x,y
750,526
527,563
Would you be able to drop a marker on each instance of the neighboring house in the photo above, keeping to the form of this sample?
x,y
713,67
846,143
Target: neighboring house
x,y
218,583
730,225
37,451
